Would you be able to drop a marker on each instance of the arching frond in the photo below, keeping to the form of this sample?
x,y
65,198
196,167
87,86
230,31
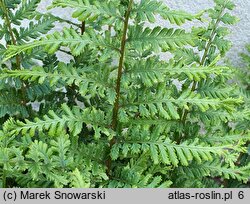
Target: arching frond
x,y
68,37
153,71
52,42
166,106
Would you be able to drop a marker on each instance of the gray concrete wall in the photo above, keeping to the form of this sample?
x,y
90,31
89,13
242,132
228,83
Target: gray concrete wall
x,y
240,33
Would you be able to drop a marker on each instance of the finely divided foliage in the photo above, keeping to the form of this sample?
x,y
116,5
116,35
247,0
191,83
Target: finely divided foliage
x,y
114,115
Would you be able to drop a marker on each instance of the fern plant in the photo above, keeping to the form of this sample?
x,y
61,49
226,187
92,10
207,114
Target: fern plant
x,y
123,122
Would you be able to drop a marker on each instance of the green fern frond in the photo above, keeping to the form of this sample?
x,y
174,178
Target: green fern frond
x,y
68,37
147,9
167,106
167,152
67,74
198,73
52,42
158,38
153,71
56,124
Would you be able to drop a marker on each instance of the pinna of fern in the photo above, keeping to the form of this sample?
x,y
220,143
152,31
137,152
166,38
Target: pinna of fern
x,y
125,106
